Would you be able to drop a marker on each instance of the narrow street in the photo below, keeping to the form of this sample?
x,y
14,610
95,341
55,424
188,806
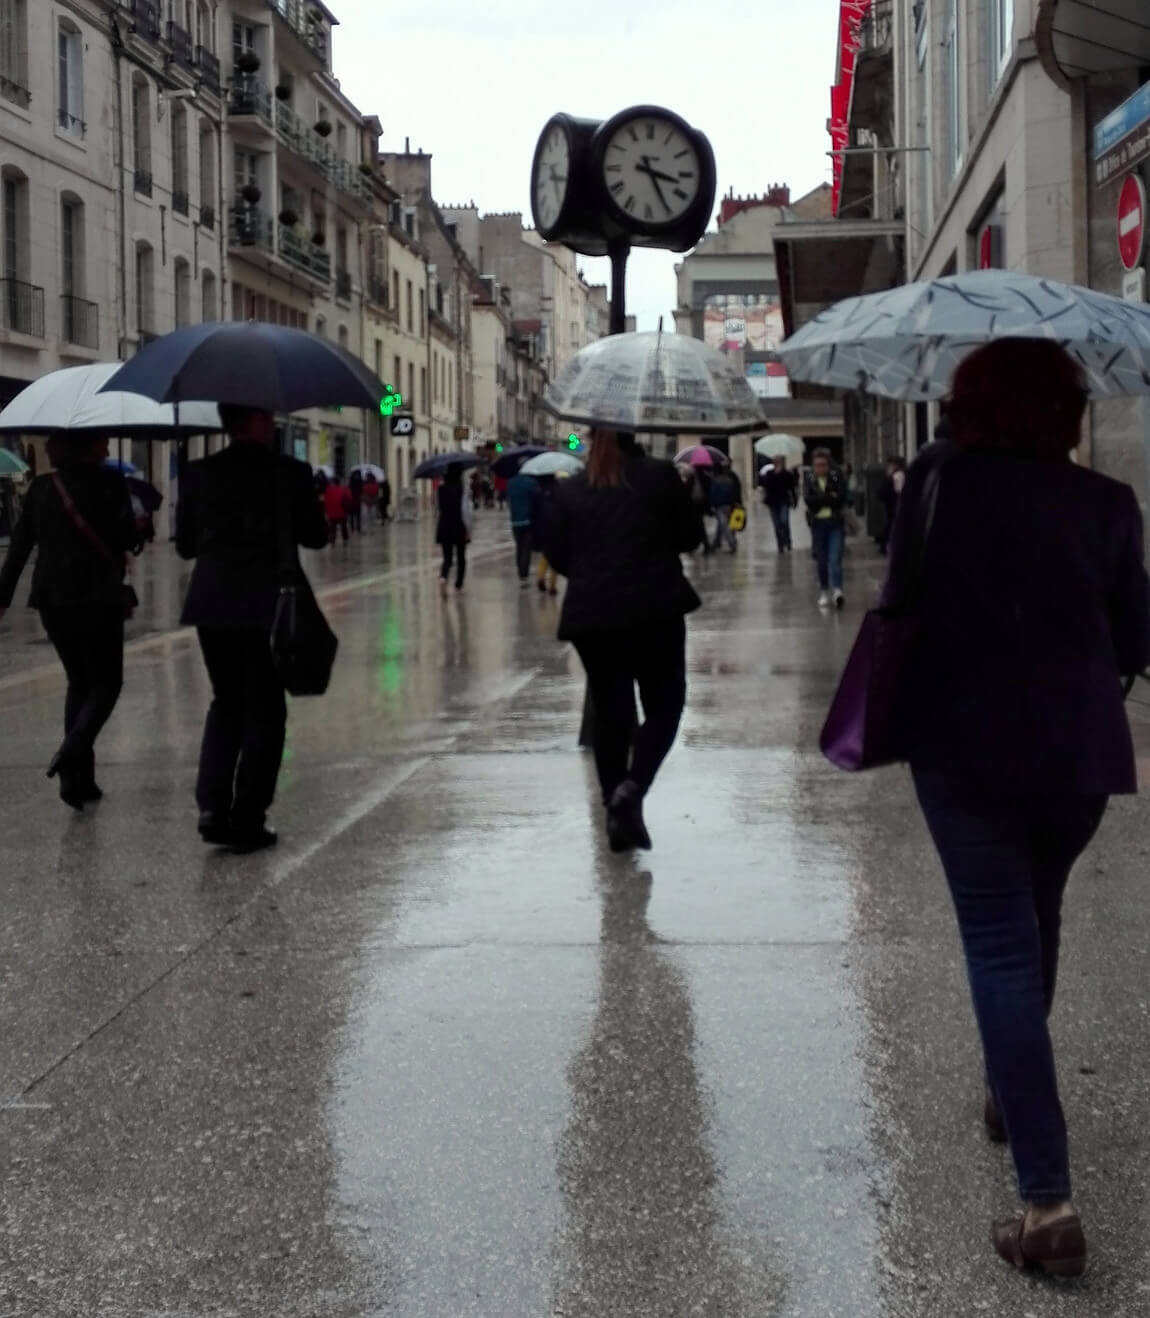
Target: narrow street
x,y
440,1055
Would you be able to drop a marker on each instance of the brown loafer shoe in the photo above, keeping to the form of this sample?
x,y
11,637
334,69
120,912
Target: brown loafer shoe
x,y
1057,1248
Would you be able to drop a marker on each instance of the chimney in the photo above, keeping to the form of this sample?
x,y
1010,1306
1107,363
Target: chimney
x,y
407,146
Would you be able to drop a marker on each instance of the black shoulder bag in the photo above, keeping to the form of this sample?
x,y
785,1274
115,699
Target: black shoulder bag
x,y
303,645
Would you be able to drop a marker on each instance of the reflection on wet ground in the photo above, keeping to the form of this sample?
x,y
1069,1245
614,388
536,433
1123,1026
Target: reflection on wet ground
x,y
442,1055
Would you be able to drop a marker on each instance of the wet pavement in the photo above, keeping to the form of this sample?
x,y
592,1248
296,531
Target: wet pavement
x,y
440,1054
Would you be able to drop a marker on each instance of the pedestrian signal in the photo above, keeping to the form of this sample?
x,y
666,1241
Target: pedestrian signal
x,y
391,401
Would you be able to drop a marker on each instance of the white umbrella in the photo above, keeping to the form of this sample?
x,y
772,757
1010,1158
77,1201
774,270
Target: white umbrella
x,y
551,464
70,400
906,343
366,469
665,383
790,447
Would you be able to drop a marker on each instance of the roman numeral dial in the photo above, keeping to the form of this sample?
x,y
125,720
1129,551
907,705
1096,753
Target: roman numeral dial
x,y
651,170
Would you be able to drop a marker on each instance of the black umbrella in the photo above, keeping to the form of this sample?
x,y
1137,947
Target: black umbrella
x,y
433,467
507,464
268,366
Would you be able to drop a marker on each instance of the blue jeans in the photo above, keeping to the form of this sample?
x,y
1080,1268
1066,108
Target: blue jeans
x,y
828,538
1007,863
781,517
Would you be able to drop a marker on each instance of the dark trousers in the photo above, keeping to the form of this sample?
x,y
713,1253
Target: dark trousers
x,y
522,536
90,642
244,731
655,659
454,551
355,517
828,538
1007,864
781,518
336,526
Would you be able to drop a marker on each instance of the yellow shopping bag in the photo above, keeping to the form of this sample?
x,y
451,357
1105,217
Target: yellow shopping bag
x,y
738,519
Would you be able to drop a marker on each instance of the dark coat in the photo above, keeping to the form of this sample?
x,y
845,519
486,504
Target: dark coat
x,y
226,520
69,570
780,489
1035,601
619,548
836,496
451,528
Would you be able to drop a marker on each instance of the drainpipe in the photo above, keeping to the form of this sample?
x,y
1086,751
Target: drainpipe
x,y
122,200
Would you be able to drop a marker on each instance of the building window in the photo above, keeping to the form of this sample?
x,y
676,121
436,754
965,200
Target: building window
x,y
14,52
396,380
72,247
410,308
344,337
208,206
183,279
243,39
247,170
15,226
395,293
142,133
70,78
179,159
145,292
205,28
209,298
1001,34
952,89
423,389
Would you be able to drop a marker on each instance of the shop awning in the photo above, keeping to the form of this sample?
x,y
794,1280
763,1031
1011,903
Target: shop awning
x,y
1076,38
824,261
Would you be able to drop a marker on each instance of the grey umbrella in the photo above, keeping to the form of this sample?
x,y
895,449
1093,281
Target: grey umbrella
x,y
906,343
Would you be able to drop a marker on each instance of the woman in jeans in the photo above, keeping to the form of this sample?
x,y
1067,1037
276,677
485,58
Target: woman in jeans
x,y
826,498
1035,602
616,532
79,519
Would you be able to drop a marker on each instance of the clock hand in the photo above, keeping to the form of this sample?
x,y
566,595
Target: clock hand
x,y
645,168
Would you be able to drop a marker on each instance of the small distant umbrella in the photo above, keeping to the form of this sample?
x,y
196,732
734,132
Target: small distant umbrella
x,y
551,464
11,464
367,469
509,462
789,447
435,468
702,455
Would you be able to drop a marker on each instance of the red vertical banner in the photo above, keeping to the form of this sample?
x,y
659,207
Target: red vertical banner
x,y
852,13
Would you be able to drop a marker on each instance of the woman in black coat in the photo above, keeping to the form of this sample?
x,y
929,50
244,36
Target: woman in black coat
x,y
454,527
80,518
616,532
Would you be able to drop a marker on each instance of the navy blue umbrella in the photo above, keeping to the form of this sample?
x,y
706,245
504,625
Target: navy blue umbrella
x,y
437,466
268,366
508,463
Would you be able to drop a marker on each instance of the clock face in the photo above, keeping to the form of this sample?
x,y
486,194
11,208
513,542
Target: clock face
x,y
651,170
552,171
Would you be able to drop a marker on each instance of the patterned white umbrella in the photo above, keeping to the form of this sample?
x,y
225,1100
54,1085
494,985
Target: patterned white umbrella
x,y
906,343
666,383
552,464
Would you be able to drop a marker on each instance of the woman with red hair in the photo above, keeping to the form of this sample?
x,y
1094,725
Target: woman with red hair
x,y
1035,602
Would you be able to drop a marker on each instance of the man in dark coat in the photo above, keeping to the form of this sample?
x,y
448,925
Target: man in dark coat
x,y
781,495
228,520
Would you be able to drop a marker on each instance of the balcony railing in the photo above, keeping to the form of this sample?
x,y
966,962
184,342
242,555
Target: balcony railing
x,y
180,203
376,291
15,92
71,124
79,321
298,15
249,96
343,285
145,18
305,255
180,41
22,307
250,227
207,217
877,28
143,183
209,67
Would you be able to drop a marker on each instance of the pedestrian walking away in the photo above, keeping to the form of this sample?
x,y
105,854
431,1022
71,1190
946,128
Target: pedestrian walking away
x,y
889,494
80,520
616,533
725,496
781,496
229,520
370,496
385,499
355,501
453,530
336,505
522,492
1013,721
826,499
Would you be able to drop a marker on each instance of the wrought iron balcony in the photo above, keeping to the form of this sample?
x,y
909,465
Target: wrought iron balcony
x,y
343,285
180,41
376,291
249,97
250,227
307,22
312,258
79,321
145,18
71,124
143,182
209,67
15,92
22,307
180,203
207,217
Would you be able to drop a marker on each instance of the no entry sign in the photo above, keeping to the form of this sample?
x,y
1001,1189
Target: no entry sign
x,y
1131,221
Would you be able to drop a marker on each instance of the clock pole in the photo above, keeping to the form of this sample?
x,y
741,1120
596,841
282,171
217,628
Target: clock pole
x,y
618,251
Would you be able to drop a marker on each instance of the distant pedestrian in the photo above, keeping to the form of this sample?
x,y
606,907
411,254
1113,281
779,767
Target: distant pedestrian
x,y
335,507
781,495
724,500
826,500
546,579
616,533
235,508
1034,601
385,498
355,501
79,519
453,530
371,496
522,493
499,486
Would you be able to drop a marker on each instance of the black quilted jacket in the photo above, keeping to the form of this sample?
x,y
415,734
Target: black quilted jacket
x,y
619,548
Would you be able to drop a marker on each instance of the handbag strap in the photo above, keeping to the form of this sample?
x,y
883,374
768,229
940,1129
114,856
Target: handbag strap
x,y
78,519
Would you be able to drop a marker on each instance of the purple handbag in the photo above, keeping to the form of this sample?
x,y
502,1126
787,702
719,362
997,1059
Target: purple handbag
x,y
861,729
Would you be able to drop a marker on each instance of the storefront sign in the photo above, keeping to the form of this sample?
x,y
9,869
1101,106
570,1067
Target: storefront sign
x,y
1134,285
403,424
1122,139
1131,221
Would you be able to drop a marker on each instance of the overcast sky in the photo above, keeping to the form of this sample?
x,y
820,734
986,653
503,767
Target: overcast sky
x,y
473,82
